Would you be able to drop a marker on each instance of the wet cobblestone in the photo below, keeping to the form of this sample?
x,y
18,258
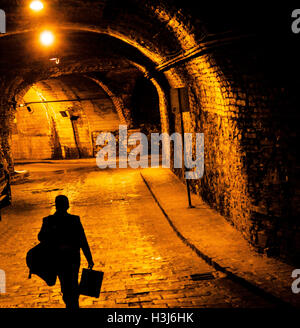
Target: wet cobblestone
x,y
145,264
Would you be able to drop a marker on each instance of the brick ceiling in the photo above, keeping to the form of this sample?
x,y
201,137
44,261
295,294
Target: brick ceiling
x,y
110,35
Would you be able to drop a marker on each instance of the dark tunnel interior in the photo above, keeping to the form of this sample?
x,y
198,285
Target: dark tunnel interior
x,y
108,63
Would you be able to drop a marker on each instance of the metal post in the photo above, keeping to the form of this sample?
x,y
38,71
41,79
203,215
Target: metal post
x,y
182,132
75,133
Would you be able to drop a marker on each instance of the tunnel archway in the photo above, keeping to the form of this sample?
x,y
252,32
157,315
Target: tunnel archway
x,y
70,110
246,144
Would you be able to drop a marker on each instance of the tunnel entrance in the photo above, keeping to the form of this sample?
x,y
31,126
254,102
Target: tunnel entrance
x,y
61,118
63,115
145,106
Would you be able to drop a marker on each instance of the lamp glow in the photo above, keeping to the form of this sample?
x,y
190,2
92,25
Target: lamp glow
x,y
47,38
36,5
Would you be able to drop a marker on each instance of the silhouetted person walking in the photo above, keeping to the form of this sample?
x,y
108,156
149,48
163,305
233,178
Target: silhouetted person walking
x,y
64,233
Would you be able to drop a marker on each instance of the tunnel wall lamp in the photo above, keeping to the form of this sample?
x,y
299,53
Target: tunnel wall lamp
x,y
63,100
56,60
47,38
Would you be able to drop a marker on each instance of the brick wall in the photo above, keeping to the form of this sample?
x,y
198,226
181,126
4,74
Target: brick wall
x,y
248,120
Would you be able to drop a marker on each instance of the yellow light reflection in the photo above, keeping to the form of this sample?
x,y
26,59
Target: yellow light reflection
x,y
47,38
36,5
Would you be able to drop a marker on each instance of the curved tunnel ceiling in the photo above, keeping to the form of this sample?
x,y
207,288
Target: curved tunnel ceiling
x,y
79,52
108,35
94,28
90,37
159,29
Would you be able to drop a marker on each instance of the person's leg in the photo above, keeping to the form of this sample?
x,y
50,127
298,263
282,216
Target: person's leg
x,y
68,277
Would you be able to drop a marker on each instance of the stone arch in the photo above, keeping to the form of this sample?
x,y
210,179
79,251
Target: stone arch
x,y
53,102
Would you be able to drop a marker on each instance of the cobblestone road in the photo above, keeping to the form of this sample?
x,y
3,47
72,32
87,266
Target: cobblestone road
x,y
145,263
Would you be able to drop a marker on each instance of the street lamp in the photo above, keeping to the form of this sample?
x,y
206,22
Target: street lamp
x,y
36,6
47,38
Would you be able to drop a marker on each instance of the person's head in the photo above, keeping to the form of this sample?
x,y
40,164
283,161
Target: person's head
x,y
62,203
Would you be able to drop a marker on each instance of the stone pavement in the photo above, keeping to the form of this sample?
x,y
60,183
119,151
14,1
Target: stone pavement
x,y
145,264
209,233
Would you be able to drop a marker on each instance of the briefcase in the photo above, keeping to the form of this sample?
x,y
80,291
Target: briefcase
x,y
90,283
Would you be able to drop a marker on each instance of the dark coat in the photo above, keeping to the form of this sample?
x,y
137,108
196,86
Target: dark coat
x,y
61,238
65,234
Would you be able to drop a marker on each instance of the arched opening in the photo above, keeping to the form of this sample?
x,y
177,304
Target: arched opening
x,y
59,119
145,104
